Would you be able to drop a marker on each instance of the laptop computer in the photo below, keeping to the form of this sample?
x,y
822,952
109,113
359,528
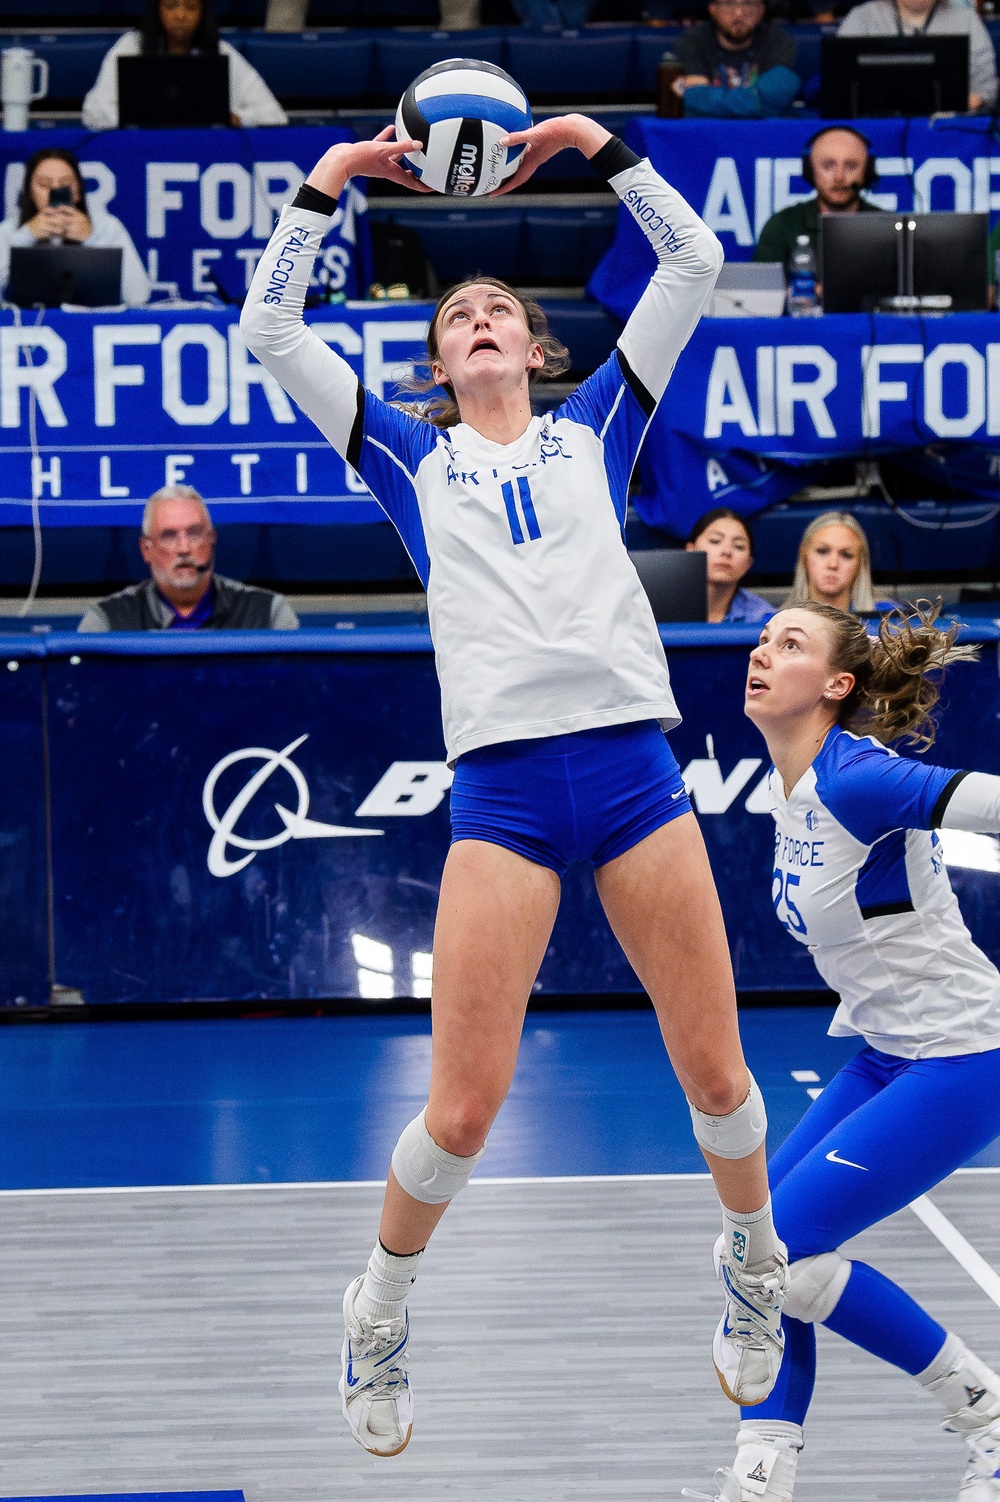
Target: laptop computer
x,y
171,91
54,274
909,76
675,581
750,289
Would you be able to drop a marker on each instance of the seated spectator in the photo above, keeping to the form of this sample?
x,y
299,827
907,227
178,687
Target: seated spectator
x,y
834,566
995,255
184,593
37,221
725,537
838,163
177,28
737,63
889,18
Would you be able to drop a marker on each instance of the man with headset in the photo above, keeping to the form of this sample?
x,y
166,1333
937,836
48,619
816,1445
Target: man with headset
x,y
838,163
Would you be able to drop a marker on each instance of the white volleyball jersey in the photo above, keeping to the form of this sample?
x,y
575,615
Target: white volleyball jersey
x,y
539,622
860,878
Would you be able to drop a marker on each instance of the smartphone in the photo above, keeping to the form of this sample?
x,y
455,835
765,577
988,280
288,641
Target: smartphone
x,y
61,198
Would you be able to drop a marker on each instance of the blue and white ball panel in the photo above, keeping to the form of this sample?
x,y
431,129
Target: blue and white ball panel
x,y
460,109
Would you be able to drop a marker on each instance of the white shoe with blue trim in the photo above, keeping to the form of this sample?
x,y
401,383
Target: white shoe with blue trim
x,y
375,1391
981,1482
749,1342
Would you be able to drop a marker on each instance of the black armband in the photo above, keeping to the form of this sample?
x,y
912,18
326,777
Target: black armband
x,y
944,798
312,199
613,157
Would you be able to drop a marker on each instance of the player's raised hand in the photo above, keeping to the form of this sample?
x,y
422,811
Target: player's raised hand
x,y
380,157
544,140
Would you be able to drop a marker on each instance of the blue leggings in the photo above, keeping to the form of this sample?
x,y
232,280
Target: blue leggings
x,y
884,1131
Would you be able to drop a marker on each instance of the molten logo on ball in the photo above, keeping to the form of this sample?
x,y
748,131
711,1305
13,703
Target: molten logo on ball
x,y
460,111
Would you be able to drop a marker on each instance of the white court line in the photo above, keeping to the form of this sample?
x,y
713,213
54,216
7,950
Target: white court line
x,y
953,1241
582,1178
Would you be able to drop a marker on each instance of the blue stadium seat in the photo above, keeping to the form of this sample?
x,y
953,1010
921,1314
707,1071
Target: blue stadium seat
x,y
807,50
589,333
330,66
462,242
564,245
583,64
403,55
648,46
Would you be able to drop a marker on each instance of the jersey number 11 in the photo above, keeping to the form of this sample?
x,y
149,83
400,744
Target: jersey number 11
x,y
527,510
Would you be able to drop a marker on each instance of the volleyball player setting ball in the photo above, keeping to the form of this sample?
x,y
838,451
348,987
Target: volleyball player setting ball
x,y
555,695
859,877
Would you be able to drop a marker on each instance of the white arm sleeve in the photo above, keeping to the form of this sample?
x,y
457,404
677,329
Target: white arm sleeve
x,y
323,384
689,258
974,805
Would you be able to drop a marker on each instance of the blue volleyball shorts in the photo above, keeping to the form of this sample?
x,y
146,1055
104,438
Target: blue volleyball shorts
x,y
589,796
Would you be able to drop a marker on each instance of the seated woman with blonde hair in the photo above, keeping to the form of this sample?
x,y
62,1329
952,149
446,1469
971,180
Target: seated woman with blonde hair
x,y
834,566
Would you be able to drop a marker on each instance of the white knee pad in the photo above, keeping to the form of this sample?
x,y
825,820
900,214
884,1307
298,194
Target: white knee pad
x,y
424,1170
734,1136
815,1287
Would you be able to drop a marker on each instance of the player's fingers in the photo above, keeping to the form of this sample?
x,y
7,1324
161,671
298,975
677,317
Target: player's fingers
x,y
516,138
385,135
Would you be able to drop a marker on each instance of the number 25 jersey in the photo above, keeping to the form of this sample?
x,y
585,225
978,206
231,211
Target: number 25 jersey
x,y
859,877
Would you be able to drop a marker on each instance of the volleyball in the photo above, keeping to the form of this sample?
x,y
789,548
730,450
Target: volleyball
x,y
459,110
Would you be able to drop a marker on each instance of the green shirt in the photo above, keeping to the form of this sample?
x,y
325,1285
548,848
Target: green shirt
x,y
778,237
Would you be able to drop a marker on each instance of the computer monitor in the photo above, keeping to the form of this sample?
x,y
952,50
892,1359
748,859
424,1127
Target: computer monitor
x,y
933,262
171,91
675,581
919,75
54,274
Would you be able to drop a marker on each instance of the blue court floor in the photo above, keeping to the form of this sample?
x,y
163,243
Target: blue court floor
x,y
284,1100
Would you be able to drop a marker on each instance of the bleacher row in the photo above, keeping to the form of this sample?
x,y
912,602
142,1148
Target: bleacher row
x,y
343,67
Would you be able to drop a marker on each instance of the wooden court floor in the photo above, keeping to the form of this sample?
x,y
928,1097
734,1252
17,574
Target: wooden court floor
x,y
188,1339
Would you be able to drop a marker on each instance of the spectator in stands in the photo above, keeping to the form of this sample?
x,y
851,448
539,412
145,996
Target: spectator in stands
x,y
737,63
995,256
177,28
834,566
38,221
888,18
838,163
184,593
725,537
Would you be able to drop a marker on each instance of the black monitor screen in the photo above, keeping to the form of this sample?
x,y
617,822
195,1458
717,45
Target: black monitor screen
x,y
675,582
165,91
871,76
951,258
54,274
868,257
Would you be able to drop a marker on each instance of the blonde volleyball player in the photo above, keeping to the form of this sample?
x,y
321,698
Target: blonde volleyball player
x,y
555,697
859,877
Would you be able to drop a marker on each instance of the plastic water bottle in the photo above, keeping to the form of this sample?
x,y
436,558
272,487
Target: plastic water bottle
x,y
802,300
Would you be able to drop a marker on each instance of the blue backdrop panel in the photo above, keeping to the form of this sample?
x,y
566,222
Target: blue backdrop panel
x,y
754,403
201,203
207,835
736,179
24,965
127,402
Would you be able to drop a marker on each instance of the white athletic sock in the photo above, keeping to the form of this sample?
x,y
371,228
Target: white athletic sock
x,y
770,1430
382,1297
961,1382
750,1236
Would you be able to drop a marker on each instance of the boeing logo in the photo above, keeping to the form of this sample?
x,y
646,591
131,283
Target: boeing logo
x,y
296,825
408,788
